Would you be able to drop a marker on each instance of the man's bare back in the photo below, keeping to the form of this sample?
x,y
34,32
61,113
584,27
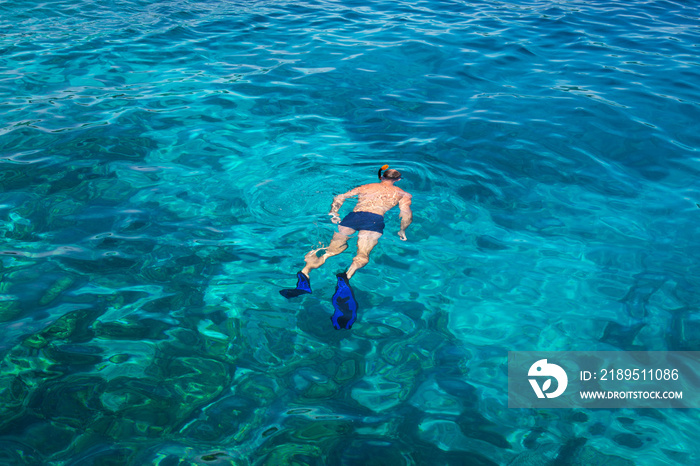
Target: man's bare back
x,y
377,198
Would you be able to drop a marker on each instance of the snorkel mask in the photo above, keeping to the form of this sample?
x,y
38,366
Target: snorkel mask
x,y
393,176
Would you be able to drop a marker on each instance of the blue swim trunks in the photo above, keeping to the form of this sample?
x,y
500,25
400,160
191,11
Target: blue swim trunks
x,y
364,221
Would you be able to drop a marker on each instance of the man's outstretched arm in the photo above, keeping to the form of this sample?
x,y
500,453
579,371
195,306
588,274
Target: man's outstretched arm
x,y
406,215
338,202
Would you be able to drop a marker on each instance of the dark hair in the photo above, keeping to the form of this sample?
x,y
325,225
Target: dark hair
x,y
391,174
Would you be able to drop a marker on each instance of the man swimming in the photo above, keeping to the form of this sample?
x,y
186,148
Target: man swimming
x,y
367,218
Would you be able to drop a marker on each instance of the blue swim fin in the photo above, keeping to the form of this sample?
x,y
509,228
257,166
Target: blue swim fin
x,y
303,287
344,303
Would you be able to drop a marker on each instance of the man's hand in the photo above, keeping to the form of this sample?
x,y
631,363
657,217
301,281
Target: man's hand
x,y
335,218
402,235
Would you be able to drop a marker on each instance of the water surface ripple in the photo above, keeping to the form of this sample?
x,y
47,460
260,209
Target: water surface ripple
x,y
164,166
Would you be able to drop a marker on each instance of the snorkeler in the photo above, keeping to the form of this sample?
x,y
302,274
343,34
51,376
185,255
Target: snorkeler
x,y
374,200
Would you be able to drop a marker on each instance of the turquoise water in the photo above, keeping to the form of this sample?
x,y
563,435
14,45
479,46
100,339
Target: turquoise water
x,y
164,167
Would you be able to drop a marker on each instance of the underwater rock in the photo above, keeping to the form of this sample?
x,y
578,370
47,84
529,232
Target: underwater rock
x,y
458,388
22,230
377,394
214,458
318,431
131,246
625,420
679,457
223,418
139,407
100,266
104,455
112,190
347,371
130,226
651,413
64,328
16,453
9,310
196,380
62,210
448,356
490,243
144,329
71,180
258,387
414,310
578,417
622,337
104,187
588,455
159,273
321,390
222,254
163,305
570,449
118,299
119,358
431,400
477,193
12,178
218,344
368,451
129,145
385,259
637,298
473,425
685,331
74,356
531,439
22,373
543,455
597,429
684,289
263,327
13,394
395,351
59,287
185,261
377,331
309,455
49,437
73,400
628,440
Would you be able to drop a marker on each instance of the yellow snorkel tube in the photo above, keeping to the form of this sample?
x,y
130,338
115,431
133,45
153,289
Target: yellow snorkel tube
x,y
379,173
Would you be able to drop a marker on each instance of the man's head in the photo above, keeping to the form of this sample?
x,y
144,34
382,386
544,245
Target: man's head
x,y
391,175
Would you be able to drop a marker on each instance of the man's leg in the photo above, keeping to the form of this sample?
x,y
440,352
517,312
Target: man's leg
x,y
344,302
339,243
366,241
